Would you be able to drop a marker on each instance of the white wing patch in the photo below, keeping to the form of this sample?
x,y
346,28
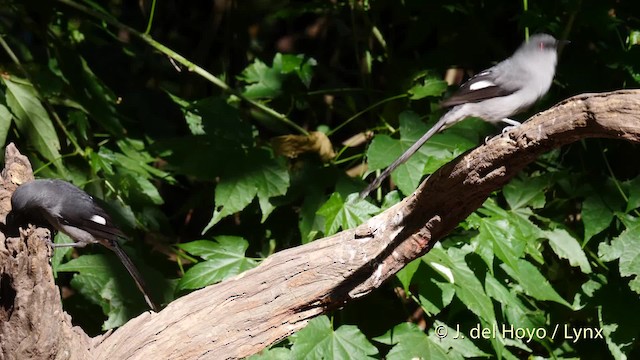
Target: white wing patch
x,y
481,85
99,219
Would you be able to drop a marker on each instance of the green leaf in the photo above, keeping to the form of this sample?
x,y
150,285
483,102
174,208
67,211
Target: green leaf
x,y
345,214
310,222
264,82
454,342
409,342
384,150
434,296
406,273
267,82
136,158
626,249
223,258
258,175
5,124
613,302
32,119
529,191
105,282
468,287
506,232
533,283
391,198
232,195
633,189
299,64
430,87
440,149
517,314
278,353
222,121
319,341
567,247
421,281
596,216
506,245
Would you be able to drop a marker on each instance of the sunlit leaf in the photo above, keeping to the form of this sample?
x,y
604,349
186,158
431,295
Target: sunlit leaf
x,y
224,258
32,119
626,249
319,341
348,214
567,247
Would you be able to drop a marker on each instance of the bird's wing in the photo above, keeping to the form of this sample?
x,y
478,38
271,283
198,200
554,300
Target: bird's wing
x,y
484,85
94,220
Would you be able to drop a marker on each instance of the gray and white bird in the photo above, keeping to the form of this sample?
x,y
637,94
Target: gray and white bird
x,y
495,94
74,212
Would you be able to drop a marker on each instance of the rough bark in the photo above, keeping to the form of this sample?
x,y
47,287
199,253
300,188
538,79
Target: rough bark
x,y
243,315
32,322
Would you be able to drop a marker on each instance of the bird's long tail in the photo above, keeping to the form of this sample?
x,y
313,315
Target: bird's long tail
x,y
447,119
135,274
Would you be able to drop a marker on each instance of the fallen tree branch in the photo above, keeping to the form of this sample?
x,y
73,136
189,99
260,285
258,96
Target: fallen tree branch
x,y
243,315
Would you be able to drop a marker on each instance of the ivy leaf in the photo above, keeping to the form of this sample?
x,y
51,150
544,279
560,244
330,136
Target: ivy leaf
x,y
278,353
5,123
433,296
32,119
405,275
345,214
441,148
223,258
410,342
518,315
429,87
529,191
267,82
257,175
633,188
319,341
626,249
533,283
499,232
106,283
567,247
613,301
384,150
596,216
222,121
468,287
298,64
462,346
506,233
264,82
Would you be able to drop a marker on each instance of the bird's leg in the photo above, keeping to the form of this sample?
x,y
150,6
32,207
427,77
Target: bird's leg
x,y
73,244
511,123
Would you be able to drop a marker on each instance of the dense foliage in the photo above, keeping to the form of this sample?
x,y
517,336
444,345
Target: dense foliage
x,y
219,132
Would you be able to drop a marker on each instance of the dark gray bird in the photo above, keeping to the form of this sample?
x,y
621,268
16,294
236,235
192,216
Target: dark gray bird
x,y
74,212
493,95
